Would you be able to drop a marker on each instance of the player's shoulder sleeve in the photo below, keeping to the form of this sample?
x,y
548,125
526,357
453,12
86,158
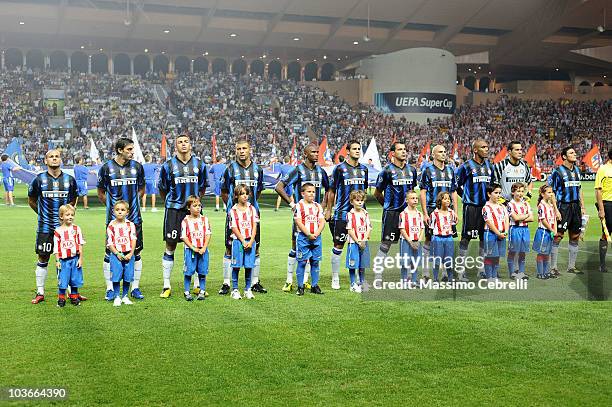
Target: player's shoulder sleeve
x,y
425,179
337,177
291,177
486,212
132,230
349,220
103,176
554,179
461,174
325,179
402,219
260,179
140,175
382,180
184,227
34,188
226,179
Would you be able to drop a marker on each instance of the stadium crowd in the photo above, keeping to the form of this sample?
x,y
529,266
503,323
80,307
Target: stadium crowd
x,y
269,111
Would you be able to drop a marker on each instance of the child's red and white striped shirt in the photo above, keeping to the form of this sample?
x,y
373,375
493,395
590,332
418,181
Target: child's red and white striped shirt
x,y
310,214
442,223
244,220
412,223
497,214
66,241
518,208
121,235
195,230
360,223
547,212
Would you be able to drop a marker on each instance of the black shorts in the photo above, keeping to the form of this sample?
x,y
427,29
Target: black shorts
x,y
428,230
390,226
228,234
608,214
338,231
473,222
571,217
172,224
139,240
44,243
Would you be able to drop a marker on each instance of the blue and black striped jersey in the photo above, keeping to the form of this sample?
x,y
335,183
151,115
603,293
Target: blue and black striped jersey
x,y
473,178
565,184
51,193
251,176
346,179
435,180
122,182
395,182
179,180
301,174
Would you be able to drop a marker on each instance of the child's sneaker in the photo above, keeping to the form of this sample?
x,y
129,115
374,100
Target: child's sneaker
x,y
136,293
61,301
201,296
307,286
300,291
288,287
117,302
188,296
38,298
335,285
355,288
248,294
236,295
110,295
316,289
75,300
126,300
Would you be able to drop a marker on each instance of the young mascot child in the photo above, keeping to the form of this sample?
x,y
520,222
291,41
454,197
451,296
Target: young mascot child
x,y
443,224
68,249
359,228
121,241
310,221
496,231
411,227
244,228
520,214
195,233
547,229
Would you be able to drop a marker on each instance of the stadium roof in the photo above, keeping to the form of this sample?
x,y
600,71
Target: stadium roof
x,y
518,33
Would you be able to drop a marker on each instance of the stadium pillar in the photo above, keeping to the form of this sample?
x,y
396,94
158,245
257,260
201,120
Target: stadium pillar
x,y
302,74
209,69
69,64
284,72
150,64
23,57
131,66
170,65
265,74
89,64
191,66
477,85
111,65
3,63
47,62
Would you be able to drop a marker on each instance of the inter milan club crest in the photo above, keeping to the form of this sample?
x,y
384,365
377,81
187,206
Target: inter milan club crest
x,y
443,175
66,185
196,170
354,172
133,171
122,172
186,170
55,184
393,172
409,175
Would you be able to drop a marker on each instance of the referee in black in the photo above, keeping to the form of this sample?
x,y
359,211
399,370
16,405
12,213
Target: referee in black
x,y
603,196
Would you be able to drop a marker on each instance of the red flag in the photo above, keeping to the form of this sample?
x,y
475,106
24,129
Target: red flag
x,y
323,151
501,155
341,153
530,157
559,161
162,151
213,143
392,142
536,170
294,158
424,152
592,159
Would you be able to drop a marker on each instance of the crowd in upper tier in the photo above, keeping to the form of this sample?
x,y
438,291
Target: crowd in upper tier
x,y
270,112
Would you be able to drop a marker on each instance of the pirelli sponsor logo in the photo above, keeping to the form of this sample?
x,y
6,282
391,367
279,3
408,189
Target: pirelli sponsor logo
x,y
190,179
402,182
441,184
247,182
482,178
354,181
120,182
512,180
316,184
55,194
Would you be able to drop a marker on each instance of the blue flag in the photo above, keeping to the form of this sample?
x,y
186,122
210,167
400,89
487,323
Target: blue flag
x,y
15,152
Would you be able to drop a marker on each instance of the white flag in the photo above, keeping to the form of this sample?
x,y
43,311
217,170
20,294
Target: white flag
x,y
371,154
94,155
137,151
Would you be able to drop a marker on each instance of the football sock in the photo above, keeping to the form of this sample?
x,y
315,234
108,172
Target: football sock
x,y
603,249
107,272
187,283
196,280
546,265
510,263
61,291
235,272
495,267
291,261
41,276
436,269
74,290
361,276
517,260
167,264
415,276
404,273
126,288
521,262
425,261
227,269
116,288
554,253
573,253
254,276
488,267
307,269
299,272
137,271
335,263
314,271
247,277
202,282
449,273
540,265
352,276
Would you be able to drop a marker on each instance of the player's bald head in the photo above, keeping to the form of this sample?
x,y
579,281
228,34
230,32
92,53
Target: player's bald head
x,y
52,153
438,148
478,143
310,148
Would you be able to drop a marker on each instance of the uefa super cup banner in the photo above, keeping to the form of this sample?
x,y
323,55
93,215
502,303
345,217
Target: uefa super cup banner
x,y
415,102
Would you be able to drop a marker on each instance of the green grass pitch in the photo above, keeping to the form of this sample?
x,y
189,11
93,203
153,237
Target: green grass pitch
x,y
279,349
